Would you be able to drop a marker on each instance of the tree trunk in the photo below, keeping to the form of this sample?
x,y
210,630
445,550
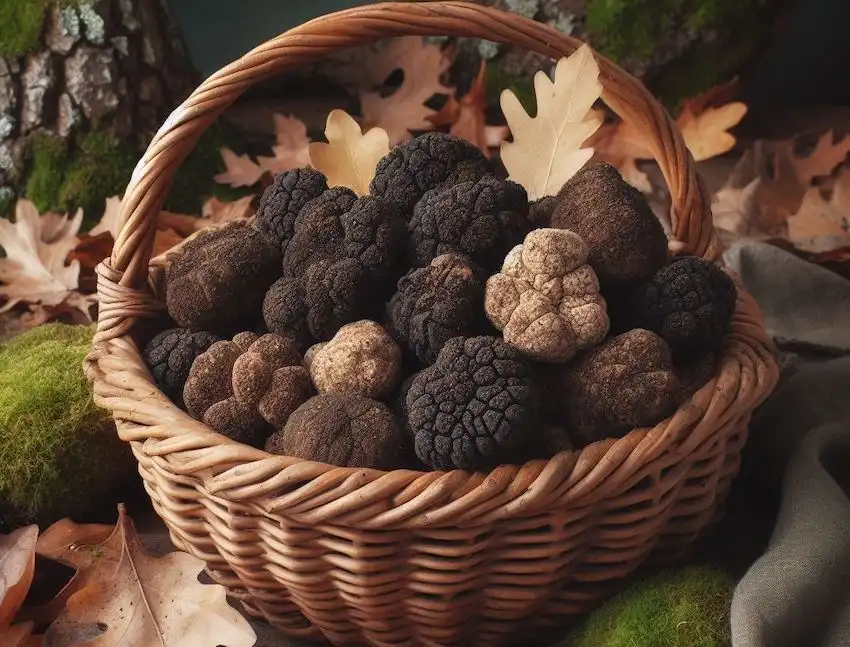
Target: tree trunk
x,y
117,66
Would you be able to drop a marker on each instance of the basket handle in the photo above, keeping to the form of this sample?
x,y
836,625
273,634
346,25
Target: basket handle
x,y
123,277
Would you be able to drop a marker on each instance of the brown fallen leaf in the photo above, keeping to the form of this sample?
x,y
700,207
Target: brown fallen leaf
x,y
134,600
17,563
290,151
35,270
546,149
403,111
822,161
215,212
822,225
470,123
240,170
19,635
70,544
350,157
706,133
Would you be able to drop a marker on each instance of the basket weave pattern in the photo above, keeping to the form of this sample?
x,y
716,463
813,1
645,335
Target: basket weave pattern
x,y
405,557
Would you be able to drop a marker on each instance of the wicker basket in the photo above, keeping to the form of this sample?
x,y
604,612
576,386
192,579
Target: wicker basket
x,y
404,557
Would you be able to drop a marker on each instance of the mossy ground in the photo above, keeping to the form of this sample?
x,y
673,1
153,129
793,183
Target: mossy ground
x,y
685,608
59,453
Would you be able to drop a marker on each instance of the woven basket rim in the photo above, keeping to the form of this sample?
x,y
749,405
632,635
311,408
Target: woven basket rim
x,y
228,469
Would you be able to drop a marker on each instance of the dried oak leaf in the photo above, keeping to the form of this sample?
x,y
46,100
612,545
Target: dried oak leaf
x,y
34,270
135,600
706,131
404,110
290,151
350,157
17,564
546,149
823,225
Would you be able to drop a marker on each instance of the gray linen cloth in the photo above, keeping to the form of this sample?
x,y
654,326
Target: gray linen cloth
x,y
797,593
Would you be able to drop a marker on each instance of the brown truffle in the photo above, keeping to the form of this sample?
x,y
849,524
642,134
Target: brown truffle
x,y
247,387
626,241
546,298
219,281
342,429
360,358
626,382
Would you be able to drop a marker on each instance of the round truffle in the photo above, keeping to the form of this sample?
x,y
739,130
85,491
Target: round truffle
x,y
627,381
546,298
340,265
626,241
689,302
422,163
475,407
361,358
169,356
219,281
342,429
435,303
481,220
282,201
247,387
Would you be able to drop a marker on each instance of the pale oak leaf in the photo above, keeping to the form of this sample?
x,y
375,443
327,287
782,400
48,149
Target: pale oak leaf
x,y
351,156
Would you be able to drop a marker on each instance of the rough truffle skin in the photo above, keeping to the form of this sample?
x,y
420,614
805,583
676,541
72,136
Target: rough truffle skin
x,y
247,387
482,220
689,302
475,407
626,382
342,429
361,358
627,242
432,304
540,211
339,267
169,356
410,169
283,199
546,298
219,281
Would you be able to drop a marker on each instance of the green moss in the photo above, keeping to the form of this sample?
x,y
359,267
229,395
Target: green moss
x,y
620,28
59,453
49,164
21,24
7,201
101,167
687,608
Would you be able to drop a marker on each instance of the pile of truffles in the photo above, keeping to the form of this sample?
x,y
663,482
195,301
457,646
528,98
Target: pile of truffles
x,y
441,322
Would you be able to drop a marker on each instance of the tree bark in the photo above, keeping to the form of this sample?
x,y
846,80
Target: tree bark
x,y
115,65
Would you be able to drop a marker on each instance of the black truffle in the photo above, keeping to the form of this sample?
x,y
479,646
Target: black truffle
x,y
482,220
219,281
283,200
425,162
689,302
340,265
342,429
627,381
435,303
169,356
626,241
475,407
540,211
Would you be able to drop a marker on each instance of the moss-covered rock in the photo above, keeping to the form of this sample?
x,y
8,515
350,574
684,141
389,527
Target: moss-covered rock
x,y
59,453
685,608
49,163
